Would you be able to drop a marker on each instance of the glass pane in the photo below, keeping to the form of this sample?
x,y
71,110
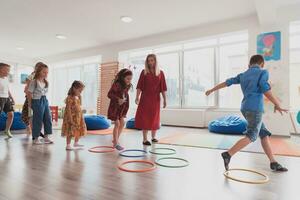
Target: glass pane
x,y
73,74
90,92
61,82
295,41
169,63
199,75
233,60
136,65
295,86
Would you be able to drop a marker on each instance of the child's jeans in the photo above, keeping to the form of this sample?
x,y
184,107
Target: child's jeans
x,y
255,125
41,115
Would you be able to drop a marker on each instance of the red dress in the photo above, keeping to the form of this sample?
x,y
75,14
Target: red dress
x,y
116,111
148,112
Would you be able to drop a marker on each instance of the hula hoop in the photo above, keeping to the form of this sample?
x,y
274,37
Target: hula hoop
x,y
156,151
265,180
123,153
172,166
97,149
121,166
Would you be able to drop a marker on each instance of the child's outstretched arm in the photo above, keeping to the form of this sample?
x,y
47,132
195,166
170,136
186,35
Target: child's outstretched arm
x,y
276,103
217,87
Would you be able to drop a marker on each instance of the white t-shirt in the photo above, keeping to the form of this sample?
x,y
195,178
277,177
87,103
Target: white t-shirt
x,y
4,88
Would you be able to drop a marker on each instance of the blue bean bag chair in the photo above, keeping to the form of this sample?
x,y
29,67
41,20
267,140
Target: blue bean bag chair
x,y
96,122
130,124
228,125
298,117
17,124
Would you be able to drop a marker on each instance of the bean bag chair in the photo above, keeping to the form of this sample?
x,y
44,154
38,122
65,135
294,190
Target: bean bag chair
x,y
298,117
17,124
228,125
130,124
96,122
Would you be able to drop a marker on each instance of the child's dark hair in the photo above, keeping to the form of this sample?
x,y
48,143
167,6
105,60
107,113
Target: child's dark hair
x,y
38,68
75,85
4,65
121,76
256,60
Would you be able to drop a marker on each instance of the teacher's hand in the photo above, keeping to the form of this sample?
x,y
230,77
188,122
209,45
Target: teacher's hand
x,y
137,101
165,104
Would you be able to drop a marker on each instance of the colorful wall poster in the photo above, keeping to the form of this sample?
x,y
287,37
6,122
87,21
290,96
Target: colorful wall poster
x,y
269,45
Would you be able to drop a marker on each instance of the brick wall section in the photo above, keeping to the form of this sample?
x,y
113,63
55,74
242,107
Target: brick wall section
x,y
107,74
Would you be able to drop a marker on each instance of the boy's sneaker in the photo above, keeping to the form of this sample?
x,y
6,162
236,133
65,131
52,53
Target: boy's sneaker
x,y
47,141
275,166
37,142
226,157
8,134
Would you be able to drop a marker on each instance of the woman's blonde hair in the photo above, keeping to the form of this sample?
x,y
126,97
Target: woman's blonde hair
x,y
147,69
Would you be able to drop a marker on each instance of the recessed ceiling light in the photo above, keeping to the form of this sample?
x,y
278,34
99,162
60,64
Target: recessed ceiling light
x,y
20,48
126,19
61,37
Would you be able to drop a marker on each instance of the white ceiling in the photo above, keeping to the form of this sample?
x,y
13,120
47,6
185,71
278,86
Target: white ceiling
x,y
33,24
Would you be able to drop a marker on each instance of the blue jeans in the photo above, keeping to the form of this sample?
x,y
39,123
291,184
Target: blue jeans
x,y
41,115
255,125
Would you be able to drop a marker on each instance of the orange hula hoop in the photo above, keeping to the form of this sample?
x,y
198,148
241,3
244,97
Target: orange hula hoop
x,y
121,166
96,149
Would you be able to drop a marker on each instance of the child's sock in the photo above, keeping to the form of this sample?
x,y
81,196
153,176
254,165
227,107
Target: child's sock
x,y
275,166
226,157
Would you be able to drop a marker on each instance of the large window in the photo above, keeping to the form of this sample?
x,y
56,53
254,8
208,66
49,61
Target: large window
x,y
192,67
169,63
295,65
199,75
63,76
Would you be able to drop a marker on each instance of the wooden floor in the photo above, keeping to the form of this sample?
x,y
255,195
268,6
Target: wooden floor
x,y
50,172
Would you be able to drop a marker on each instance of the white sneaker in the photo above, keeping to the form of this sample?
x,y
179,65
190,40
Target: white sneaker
x,y
78,145
69,148
47,141
37,142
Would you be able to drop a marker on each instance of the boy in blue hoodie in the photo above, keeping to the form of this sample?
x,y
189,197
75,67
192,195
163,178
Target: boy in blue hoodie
x,y
254,85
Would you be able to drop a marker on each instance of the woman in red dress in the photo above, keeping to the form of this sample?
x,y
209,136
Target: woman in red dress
x,y
151,84
119,103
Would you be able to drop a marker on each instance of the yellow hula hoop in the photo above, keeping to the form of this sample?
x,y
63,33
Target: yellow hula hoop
x,y
265,180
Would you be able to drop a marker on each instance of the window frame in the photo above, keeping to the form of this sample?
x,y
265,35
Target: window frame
x,y
183,49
